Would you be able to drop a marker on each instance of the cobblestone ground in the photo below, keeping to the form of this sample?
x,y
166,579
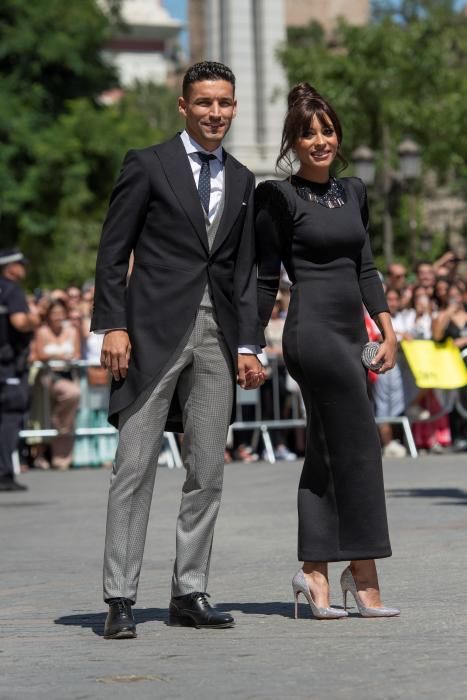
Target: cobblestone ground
x,y
51,643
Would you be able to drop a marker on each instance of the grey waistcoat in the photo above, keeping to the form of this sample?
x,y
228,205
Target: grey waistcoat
x,y
211,230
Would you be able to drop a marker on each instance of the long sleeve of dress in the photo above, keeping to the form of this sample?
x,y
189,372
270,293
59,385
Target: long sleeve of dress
x,y
268,248
371,287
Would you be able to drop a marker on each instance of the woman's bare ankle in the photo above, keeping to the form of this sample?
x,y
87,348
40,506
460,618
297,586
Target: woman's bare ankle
x,y
316,574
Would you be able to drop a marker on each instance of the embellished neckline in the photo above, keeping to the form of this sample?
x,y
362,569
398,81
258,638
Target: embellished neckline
x,y
330,194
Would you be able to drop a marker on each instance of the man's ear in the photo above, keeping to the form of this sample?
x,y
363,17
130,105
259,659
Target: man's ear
x,y
182,106
234,110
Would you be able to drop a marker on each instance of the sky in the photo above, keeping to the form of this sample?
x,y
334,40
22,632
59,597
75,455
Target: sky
x,y
178,9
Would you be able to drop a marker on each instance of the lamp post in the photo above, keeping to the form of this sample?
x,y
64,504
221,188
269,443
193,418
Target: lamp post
x,y
410,164
364,161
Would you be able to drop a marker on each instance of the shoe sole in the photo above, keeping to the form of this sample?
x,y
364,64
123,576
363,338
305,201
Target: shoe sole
x,y
122,634
186,621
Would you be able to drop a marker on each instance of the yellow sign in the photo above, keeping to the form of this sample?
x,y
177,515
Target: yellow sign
x,y
435,365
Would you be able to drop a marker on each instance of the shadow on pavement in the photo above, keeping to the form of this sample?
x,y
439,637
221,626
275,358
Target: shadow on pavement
x,y
272,608
458,496
95,621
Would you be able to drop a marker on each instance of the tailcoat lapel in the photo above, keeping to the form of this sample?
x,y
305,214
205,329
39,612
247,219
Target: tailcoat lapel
x,y
234,188
177,168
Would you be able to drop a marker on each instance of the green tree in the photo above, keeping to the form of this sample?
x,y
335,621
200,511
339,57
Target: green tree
x,y
61,148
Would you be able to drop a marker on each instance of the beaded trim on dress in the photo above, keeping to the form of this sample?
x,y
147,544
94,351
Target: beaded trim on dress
x,y
332,197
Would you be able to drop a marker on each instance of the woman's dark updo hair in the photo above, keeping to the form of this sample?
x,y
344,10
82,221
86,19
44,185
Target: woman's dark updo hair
x,y
304,103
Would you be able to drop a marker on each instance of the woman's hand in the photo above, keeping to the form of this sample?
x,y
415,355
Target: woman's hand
x,y
386,354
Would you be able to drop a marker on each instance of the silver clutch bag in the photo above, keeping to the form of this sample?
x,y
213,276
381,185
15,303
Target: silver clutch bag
x,y
369,351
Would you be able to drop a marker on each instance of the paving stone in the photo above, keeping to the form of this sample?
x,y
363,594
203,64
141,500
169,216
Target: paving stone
x,y
51,614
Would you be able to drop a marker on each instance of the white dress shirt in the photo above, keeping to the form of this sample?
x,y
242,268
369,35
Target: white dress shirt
x,y
216,167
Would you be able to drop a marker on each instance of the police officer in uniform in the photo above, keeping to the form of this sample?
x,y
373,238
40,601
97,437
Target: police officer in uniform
x,y
17,322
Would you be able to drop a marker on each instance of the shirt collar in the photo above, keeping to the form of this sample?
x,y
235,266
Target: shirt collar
x,y
191,146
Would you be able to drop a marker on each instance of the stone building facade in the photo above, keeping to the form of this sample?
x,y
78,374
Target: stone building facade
x,y
327,12
145,48
245,34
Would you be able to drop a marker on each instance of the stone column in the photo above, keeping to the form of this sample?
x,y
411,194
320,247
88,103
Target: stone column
x,y
245,35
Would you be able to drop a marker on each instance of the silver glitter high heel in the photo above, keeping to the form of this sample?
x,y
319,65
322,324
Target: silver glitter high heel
x,y
300,585
348,586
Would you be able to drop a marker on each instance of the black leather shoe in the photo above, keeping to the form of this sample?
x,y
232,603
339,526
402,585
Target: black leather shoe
x,y
194,610
120,623
9,484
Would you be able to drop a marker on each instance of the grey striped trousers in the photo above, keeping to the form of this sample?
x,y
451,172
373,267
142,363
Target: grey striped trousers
x,y
201,375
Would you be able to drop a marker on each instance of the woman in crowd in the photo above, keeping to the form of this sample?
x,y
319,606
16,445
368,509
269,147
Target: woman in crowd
x,y
389,393
316,225
59,341
451,322
418,318
440,293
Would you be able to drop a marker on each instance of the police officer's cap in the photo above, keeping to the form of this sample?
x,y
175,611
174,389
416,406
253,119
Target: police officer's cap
x,y
12,255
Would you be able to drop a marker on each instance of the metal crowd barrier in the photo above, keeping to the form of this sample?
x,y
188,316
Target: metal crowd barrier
x,y
77,367
260,426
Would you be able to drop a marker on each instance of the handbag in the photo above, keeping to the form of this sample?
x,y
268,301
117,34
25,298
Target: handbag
x,y
369,352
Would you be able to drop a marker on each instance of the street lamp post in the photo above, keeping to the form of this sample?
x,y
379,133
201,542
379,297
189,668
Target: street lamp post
x,y
410,166
409,171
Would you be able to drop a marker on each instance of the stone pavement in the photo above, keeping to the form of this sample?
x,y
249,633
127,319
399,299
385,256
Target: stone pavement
x,y
51,615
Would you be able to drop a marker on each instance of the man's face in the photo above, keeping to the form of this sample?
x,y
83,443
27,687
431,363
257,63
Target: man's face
x,y
426,275
16,271
393,301
208,109
397,276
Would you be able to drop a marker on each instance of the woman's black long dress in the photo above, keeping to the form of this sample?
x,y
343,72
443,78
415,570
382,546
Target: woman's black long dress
x,y
327,255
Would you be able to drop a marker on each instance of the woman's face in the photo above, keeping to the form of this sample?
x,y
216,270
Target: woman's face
x,y
421,303
56,317
394,302
441,290
455,298
317,147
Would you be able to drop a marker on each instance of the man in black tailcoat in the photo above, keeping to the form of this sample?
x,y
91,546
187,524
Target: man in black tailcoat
x,y
176,338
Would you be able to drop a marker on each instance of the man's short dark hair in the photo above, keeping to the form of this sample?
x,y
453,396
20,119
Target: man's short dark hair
x,y
206,70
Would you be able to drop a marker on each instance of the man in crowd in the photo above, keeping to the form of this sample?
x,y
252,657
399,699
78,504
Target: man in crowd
x,y
176,338
397,276
425,276
17,322
397,279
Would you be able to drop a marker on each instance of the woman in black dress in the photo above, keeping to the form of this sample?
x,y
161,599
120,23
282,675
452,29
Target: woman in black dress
x,y
316,225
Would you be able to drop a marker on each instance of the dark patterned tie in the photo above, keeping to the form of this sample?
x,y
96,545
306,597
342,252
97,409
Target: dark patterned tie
x,y
204,182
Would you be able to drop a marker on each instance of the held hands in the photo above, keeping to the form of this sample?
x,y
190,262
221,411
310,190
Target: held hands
x,y
250,372
386,354
115,354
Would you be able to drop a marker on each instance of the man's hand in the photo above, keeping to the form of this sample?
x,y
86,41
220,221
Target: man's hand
x,y
250,372
115,354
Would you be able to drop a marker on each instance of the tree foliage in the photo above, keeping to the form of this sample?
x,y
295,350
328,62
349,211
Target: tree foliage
x,y
405,71
61,148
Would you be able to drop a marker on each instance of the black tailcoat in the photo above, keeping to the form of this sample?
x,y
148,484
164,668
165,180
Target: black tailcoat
x,y
155,211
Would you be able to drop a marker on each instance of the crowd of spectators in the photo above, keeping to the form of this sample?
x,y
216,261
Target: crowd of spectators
x,y
430,306
428,303
61,394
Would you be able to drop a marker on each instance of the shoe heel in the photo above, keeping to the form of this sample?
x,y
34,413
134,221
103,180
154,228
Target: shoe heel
x,y
296,594
179,620
344,598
